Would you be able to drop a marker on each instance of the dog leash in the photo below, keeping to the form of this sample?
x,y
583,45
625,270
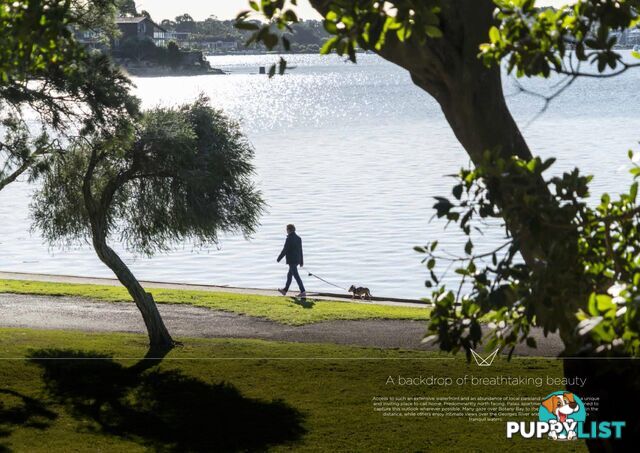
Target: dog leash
x,y
327,282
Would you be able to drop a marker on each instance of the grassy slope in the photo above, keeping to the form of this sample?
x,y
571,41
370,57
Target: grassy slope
x,y
280,309
245,402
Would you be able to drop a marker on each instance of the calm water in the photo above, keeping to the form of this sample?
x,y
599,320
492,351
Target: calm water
x,y
352,154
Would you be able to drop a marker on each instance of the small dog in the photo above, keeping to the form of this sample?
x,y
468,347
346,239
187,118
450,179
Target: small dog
x,y
361,292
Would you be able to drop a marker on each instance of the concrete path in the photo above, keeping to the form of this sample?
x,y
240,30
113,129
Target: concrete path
x,y
46,312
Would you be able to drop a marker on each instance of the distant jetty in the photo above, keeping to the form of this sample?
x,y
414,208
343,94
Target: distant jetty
x,y
166,71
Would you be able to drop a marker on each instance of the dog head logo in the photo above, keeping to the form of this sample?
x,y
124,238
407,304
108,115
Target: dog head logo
x,y
564,410
562,416
561,406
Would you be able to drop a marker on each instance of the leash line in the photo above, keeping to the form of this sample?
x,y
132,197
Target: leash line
x,y
327,282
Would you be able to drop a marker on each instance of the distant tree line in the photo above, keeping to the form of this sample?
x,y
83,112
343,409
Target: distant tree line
x,y
307,35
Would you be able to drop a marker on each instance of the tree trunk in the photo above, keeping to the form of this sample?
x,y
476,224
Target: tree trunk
x,y
160,340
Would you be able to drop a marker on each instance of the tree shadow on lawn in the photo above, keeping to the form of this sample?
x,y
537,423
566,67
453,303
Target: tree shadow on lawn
x,y
17,411
165,410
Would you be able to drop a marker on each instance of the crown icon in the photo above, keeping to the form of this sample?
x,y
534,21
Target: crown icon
x,y
484,361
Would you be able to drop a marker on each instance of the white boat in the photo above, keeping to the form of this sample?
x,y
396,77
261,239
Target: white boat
x,y
636,48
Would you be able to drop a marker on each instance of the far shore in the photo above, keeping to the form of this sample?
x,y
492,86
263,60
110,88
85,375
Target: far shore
x,y
157,71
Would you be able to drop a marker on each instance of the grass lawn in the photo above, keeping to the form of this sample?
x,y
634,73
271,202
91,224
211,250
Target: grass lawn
x,y
285,310
242,400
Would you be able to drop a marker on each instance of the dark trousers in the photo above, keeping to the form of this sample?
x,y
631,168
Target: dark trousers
x,y
293,273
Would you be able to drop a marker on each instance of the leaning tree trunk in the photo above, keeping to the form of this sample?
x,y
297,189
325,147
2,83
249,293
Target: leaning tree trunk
x,y
160,340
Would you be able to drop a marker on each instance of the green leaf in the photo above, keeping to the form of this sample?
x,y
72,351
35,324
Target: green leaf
x,y
494,34
330,27
331,16
403,33
247,26
443,206
468,248
329,45
457,191
290,16
433,32
270,40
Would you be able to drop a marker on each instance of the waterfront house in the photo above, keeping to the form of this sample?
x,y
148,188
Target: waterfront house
x,y
163,38
226,45
139,28
90,39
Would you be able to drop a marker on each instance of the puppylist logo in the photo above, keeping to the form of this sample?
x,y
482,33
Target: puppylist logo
x,y
562,416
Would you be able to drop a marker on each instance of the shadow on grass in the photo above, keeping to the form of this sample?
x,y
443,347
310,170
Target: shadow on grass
x,y
164,410
18,410
303,302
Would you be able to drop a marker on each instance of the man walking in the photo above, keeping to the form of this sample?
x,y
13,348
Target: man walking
x,y
292,250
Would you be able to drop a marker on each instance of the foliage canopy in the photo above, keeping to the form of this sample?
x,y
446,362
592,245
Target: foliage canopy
x,y
43,70
586,286
183,173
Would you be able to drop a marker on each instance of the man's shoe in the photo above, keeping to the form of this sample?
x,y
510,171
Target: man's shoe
x,y
283,292
302,294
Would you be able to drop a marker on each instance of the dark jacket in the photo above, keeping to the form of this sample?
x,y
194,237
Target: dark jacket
x,y
292,250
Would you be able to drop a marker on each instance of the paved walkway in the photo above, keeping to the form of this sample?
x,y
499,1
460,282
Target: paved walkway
x,y
47,312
